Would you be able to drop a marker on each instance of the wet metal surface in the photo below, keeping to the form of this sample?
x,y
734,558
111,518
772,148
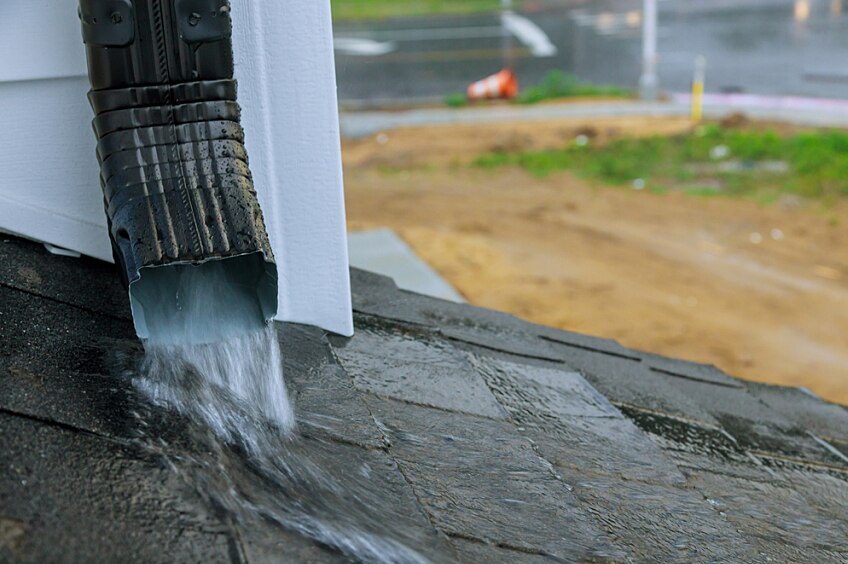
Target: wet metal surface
x,y
484,453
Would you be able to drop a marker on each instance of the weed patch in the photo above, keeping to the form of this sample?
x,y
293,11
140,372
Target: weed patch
x,y
563,85
709,161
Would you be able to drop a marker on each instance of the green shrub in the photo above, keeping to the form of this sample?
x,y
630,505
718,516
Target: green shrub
x,y
456,100
493,160
557,84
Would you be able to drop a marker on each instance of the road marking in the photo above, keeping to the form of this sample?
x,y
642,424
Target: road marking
x,y
362,47
528,33
455,55
432,34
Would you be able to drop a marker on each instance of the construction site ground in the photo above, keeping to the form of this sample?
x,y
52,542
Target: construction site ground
x,y
761,291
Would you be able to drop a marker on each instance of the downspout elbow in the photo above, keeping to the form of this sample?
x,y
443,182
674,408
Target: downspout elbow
x,y
184,219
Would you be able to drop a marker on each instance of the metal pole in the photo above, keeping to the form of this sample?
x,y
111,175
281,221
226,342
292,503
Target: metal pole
x,y
506,38
698,88
648,82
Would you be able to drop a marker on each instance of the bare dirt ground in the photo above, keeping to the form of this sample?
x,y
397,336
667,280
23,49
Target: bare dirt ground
x,y
761,292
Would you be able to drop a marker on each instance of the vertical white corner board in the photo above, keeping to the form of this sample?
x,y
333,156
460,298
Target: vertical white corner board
x,y
50,192
287,89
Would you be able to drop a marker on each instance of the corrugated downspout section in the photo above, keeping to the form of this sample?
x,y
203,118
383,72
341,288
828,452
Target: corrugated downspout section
x,y
174,171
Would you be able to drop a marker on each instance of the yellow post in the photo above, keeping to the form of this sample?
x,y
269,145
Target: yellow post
x,y
698,89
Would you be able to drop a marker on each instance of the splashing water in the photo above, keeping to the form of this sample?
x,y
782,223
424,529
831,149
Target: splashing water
x,y
213,363
207,336
197,379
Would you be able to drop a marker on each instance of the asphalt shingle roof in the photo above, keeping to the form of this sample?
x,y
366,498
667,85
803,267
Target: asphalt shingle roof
x,y
488,438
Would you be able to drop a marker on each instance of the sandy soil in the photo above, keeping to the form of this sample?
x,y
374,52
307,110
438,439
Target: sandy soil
x,y
761,292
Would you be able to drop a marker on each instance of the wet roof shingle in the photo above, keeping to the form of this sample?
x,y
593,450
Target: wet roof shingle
x,y
492,439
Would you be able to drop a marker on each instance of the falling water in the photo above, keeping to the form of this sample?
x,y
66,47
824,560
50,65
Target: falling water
x,y
221,370
208,337
194,379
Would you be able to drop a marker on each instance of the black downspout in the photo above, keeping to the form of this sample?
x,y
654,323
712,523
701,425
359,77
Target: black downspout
x,y
177,187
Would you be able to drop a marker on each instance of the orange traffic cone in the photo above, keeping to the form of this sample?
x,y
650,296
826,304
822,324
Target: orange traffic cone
x,y
499,85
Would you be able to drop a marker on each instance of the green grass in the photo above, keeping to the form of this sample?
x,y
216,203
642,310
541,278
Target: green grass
x,y
456,100
563,85
817,163
383,9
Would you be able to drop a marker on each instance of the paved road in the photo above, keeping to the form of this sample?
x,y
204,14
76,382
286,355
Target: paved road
x,y
801,111
778,47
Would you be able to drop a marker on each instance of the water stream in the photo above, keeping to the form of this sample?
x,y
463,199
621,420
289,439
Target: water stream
x,y
240,446
224,385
